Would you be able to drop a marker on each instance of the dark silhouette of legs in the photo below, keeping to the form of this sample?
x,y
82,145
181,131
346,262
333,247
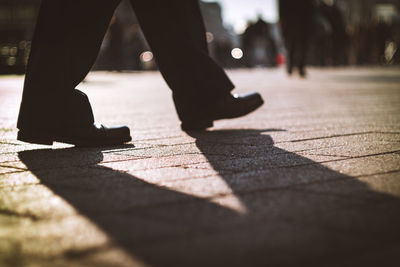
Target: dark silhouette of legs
x,y
72,31
67,39
66,42
176,34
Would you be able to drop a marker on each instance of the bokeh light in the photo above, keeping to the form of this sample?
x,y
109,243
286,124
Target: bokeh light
x,y
237,53
146,56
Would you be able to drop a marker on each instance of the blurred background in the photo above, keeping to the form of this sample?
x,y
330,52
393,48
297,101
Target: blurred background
x,y
240,33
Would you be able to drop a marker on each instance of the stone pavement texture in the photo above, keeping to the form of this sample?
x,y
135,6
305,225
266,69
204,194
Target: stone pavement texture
x,y
310,179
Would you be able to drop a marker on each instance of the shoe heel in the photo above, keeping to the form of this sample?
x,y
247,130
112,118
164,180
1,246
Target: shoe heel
x,y
197,126
35,139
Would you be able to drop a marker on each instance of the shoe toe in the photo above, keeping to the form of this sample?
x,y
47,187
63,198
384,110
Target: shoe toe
x,y
117,133
240,105
229,107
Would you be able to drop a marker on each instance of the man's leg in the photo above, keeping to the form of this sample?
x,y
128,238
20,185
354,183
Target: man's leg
x,y
303,49
67,39
176,34
290,47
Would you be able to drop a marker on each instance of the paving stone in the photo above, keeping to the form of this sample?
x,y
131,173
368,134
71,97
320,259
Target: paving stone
x,y
387,184
367,165
310,179
161,162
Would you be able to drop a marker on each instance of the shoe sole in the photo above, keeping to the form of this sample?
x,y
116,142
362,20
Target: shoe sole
x,y
198,126
34,139
46,140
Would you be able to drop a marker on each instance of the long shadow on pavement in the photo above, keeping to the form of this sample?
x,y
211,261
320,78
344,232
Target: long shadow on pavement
x,y
294,211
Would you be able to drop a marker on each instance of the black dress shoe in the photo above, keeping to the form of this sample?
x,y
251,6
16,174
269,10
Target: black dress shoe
x,y
89,136
232,106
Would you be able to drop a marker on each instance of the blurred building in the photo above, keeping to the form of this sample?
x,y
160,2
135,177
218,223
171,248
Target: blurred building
x,y
124,46
134,52
259,45
347,32
358,11
221,39
373,28
356,32
17,20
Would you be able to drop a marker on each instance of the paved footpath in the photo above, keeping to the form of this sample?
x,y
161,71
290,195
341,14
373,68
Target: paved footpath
x,y
310,179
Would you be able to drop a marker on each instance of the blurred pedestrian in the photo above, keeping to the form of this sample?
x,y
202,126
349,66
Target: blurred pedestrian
x,y
259,45
337,51
66,43
296,19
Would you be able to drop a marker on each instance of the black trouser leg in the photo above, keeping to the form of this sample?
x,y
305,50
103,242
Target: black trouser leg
x,y
66,42
303,49
175,32
68,37
291,55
